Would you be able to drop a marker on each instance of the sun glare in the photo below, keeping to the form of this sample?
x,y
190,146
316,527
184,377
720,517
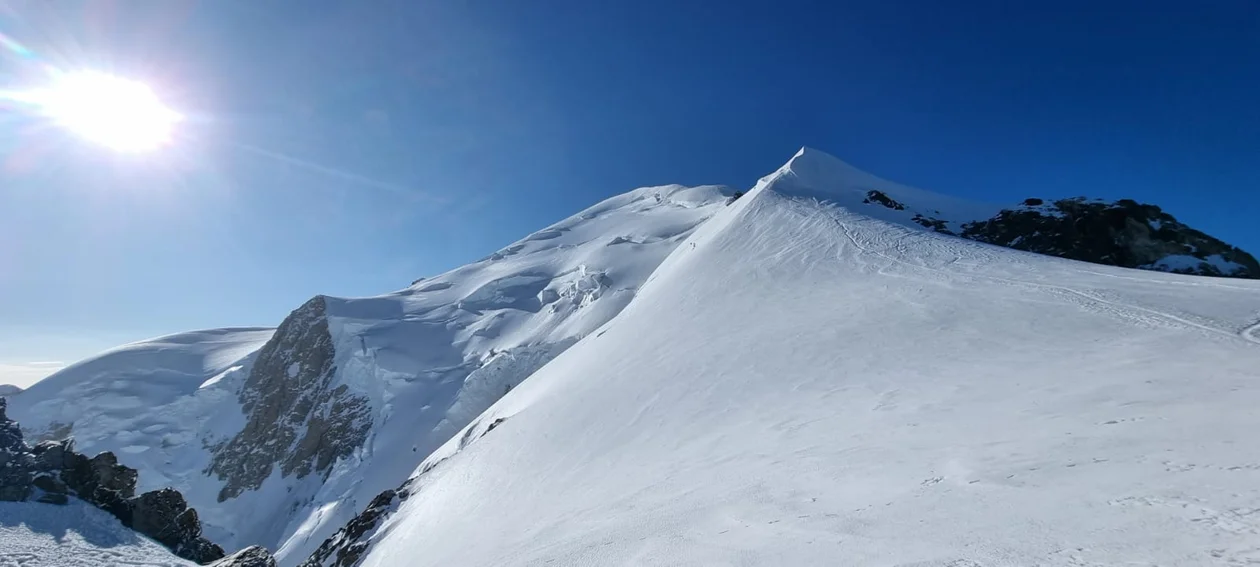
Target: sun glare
x,y
118,113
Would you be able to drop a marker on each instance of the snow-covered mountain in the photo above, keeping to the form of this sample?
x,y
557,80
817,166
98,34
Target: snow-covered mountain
x,y
280,438
806,383
818,368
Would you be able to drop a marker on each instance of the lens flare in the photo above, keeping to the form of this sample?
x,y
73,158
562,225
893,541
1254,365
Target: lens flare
x,y
117,113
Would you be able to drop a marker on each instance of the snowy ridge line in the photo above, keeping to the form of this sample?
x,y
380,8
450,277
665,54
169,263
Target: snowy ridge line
x,y
1250,334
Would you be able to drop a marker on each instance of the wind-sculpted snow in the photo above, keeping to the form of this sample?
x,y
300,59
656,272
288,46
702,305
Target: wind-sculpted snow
x,y
803,384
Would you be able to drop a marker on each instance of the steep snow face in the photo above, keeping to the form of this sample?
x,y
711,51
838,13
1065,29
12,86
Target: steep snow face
x,y
430,358
75,535
807,382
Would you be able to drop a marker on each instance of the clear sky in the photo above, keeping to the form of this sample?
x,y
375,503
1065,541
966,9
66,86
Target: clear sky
x,y
349,147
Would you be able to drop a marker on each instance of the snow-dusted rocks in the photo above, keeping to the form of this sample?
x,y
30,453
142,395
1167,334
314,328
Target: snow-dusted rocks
x,y
164,516
252,556
298,421
1124,233
16,462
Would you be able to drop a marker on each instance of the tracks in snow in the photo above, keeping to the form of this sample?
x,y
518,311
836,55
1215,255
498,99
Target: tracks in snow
x,y
1250,334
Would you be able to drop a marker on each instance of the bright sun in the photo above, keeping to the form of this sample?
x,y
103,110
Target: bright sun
x,y
121,114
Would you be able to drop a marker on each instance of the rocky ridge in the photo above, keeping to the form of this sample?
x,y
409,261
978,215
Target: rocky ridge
x,y
51,472
295,420
1123,233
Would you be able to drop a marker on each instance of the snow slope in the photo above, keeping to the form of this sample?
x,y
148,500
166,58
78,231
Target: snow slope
x,y
434,356
75,535
149,402
424,361
803,384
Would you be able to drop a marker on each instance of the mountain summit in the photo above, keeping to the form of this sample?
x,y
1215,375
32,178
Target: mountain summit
x,y
827,365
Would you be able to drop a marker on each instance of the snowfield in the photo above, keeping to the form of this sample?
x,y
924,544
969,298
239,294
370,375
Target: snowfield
x,y
808,385
76,535
149,402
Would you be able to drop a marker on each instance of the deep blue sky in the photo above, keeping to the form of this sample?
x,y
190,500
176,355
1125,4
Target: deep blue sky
x,y
483,120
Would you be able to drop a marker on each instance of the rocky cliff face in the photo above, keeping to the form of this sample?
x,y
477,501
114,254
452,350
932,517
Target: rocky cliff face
x,y
346,547
1124,233
16,462
296,419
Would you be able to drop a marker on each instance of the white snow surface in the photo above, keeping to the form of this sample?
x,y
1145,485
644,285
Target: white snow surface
x,y
429,359
432,357
145,401
805,383
74,535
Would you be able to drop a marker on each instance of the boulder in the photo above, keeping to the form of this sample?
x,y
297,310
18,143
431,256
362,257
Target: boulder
x,y
52,456
164,515
102,482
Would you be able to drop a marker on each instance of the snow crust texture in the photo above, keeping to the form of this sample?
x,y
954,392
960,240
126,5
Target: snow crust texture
x,y
76,535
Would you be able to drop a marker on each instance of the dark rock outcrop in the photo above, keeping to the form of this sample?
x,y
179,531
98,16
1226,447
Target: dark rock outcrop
x,y
295,419
1124,233
346,547
935,224
52,472
16,462
52,490
164,516
252,556
878,197
100,481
